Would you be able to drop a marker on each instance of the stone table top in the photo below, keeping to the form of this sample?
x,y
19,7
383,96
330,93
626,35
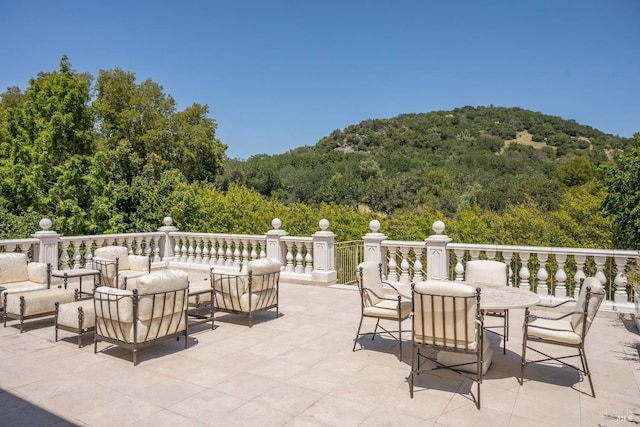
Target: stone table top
x,y
493,297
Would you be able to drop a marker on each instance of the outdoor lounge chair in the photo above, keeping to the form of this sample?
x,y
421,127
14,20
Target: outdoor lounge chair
x,y
379,303
567,330
155,310
447,318
491,272
117,267
249,292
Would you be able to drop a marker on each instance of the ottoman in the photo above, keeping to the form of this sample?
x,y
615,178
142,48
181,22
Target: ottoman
x,y
77,317
31,304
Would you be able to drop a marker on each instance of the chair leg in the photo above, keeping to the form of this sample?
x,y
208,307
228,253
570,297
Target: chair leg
x,y
413,357
523,363
506,332
375,330
585,368
400,338
355,341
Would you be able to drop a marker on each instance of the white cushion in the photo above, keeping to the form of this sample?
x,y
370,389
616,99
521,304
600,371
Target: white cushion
x,y
486,271
139,263
113,252
597,294
153,301
449,358
554,330
452,331
372,281
38,302
388,309
68,314
37,272
13,267
114,303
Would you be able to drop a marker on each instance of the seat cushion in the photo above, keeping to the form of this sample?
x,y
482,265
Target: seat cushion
x,y
555,330
449,358
38,302
68,314
388,309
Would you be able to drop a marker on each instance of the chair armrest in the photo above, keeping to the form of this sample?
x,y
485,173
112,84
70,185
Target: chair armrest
x,y
556,305
531,317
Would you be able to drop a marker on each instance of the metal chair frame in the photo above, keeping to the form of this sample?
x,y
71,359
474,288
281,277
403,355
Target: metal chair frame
x,y
365,293
417,346
584,369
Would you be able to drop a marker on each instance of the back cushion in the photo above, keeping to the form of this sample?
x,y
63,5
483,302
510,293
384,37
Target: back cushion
x,y
486,271
372,281
172,285
113,252
265,273
37,272
13,267
113,303
594,302
435,300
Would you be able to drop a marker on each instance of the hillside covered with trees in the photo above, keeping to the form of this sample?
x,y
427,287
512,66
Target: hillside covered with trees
x,y
115,155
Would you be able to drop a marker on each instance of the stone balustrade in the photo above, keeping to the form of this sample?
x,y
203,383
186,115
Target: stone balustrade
x,y
551,272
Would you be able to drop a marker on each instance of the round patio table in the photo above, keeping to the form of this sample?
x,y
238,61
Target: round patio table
x,y
492,297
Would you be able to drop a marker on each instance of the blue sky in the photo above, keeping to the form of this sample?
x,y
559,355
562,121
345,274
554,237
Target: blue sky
x,y
281,74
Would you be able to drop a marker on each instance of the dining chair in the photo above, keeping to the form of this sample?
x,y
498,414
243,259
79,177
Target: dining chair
x,y
379,303
567,330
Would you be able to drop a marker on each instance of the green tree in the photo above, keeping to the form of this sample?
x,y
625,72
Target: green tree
x,y
622,202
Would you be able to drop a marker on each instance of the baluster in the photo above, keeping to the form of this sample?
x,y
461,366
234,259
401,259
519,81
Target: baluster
x,y
191,250
580,260
404,266
263,254
64,257
137,242
76,254
129,246
289,257
206,254
299,268
236,254
221,252
392,273
156,252
417,267
543,275
620,297
147,247
245,252
475,253
524,272
177,249
600,262
254,253
183,250
459,254
560,289
508,256
88,255
308,259
228,254
198,251
491,254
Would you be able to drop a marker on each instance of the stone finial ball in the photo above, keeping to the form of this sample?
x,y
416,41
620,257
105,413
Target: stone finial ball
x,y
167,221
324,224
438,227
374,225
45,224
276,223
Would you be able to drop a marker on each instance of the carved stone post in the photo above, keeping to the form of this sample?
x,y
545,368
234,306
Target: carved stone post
x,y
437,254
166,242
274,246
372,246
324,255
47,250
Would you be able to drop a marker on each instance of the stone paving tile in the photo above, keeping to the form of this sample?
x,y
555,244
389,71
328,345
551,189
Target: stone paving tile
x,y
299,370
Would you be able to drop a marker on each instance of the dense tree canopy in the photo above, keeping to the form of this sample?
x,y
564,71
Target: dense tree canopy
x,y
117,156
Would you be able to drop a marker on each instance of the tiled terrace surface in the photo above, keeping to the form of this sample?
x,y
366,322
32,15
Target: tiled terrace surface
x,y
299,370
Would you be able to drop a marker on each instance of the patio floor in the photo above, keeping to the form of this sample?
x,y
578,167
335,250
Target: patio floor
x,y
299,370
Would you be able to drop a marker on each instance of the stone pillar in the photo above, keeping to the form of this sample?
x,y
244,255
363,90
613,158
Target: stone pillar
x,y
274,246
166,243
372,244
47,250
324,255
437,254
